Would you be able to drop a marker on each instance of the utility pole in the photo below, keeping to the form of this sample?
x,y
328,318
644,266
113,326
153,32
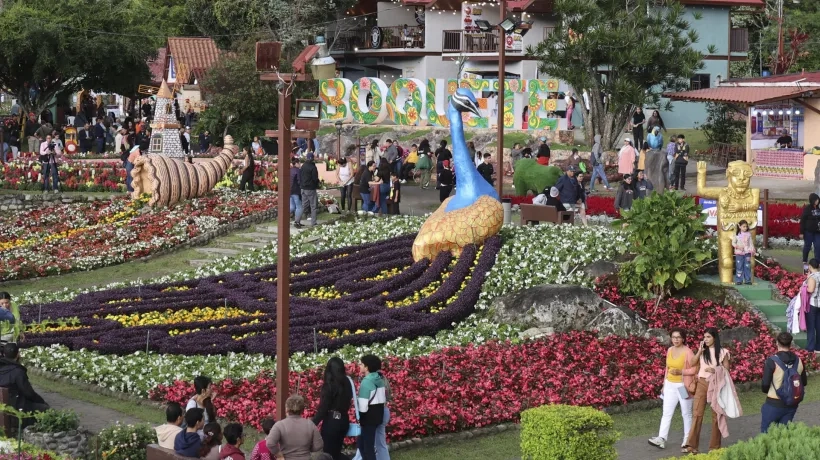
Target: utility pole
x,y
502,45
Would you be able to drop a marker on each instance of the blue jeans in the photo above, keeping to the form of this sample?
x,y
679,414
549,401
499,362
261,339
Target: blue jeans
x,y
770,414
367,205
809,239
397,167
128,167
384,192
381,439
812,328
598,171
743,268
50,170
101,145
296,207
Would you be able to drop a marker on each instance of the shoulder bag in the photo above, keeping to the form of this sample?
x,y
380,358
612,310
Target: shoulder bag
x,y
354,429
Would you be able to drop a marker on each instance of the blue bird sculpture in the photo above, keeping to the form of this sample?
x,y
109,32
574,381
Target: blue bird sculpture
x,y
474,213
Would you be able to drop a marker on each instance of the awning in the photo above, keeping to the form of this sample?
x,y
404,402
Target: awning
x,y
747,95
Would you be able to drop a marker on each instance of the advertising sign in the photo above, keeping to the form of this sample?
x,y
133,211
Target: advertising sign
x,y
710,209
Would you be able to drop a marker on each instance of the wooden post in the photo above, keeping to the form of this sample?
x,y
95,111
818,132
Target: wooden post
x,y
766,218
502,44
283,257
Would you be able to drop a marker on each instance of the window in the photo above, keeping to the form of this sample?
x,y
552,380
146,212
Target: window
x,y
699,81
156,144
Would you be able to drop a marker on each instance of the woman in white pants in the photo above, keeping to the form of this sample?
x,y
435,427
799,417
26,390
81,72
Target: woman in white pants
x,y
679,376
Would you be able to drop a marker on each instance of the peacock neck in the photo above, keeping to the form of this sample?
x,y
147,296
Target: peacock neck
x,y
464,163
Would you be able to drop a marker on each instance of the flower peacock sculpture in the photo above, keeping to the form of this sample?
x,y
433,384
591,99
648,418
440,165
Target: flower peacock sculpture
x,y
474,213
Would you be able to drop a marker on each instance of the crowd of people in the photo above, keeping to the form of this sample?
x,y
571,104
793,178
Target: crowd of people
x,y
195,432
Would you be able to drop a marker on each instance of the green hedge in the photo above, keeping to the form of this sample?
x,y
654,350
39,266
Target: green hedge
x,y
794,441
562,432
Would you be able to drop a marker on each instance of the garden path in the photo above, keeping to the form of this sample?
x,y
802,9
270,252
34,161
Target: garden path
x,y
740,429
92,417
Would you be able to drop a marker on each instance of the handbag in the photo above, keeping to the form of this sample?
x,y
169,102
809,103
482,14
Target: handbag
x,y
692,386
354,429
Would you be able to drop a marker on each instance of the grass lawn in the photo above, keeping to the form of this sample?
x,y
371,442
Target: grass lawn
x,y
415,135
790,259
373,130
695,138
634,424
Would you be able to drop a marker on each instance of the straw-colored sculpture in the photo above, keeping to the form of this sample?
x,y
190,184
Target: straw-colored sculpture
x,y
169,180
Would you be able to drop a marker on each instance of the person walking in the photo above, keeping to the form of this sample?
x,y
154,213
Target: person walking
x,y
129,166
638,119
678,388
709,356
813,315
247,171
784,382
625,195
424,164
334,404
295,193
681,160
344,177
626,158
309,182
183,141
810,229
374,393
596,157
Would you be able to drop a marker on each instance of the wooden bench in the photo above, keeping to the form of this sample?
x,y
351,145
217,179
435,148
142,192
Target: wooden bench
x,y
534,213
357,197
155,452
8,423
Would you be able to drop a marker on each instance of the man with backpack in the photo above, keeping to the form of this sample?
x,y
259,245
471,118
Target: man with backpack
x,y
784,382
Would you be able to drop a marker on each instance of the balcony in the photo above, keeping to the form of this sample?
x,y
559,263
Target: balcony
x,y
739,41
548,31
379,38
460,41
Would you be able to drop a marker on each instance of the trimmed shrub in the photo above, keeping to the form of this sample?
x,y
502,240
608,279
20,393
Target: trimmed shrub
x,y
56,421
792,441
125,442
563,432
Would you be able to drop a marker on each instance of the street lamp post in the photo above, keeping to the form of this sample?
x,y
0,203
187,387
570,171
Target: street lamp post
x,y
502,44
338,125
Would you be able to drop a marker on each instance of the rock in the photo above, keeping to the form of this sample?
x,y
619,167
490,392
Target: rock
x,y
658,334
741,334
600,268
536,332
620,321
561,308
657,169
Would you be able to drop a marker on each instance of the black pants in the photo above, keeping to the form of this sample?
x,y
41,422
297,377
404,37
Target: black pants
x,y
637,133
393,208
444,192
333,436
407,171
679,176
246,180
367,442
347,197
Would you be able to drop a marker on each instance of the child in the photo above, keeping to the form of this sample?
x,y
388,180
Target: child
x,y
744,251
233,437
260,450
394,198
670,155
486,169
187,443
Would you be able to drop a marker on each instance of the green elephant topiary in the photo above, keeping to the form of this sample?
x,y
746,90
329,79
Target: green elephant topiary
x,y
529,175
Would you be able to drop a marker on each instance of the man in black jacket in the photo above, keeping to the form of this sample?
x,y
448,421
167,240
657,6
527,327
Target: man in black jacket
x,y
86,138
309,182
14,376
774,410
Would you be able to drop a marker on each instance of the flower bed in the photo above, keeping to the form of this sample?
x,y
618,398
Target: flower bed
x,y
336,301
83,236
787,283
80,176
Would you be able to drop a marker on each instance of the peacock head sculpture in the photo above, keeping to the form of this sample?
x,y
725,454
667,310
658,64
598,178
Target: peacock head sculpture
x,y
474,213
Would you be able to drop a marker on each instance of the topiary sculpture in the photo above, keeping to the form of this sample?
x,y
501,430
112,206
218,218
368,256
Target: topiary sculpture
x,y
531,176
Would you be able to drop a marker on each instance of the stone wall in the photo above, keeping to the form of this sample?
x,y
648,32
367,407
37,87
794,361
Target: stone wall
x,y
72,444
24,201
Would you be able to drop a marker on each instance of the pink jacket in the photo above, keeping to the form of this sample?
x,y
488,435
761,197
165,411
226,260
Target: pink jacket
x,y
804,305
690,372
716,383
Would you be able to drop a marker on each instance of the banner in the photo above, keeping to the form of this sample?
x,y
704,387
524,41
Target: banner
x,y
710,209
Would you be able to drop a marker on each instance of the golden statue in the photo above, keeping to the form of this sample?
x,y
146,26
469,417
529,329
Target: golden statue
x,y
734,203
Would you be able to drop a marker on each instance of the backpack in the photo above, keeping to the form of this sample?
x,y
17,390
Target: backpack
x,y
791,390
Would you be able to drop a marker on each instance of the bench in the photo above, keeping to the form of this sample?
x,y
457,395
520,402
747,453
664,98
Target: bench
x,y
357,197
533,213
155,452
8,422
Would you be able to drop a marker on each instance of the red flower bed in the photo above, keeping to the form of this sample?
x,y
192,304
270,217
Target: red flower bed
x,y
494,382
787,283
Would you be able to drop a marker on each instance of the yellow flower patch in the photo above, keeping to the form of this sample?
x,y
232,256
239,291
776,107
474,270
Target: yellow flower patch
x,y
197,314
322,293
386,274
336,333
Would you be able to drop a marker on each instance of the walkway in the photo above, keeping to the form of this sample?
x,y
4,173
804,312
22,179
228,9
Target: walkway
x,y
740,429
92,417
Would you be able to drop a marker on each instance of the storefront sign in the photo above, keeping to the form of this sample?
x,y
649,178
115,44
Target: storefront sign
x,y
415,102
710,209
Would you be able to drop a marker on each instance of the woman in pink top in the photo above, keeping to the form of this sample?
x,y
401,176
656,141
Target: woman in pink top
x,y
709,355
626,158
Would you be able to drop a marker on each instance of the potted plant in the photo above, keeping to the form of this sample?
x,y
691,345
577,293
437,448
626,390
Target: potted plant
x,y
58,431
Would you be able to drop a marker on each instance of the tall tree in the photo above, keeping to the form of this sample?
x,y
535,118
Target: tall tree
x,y
625,54
52,49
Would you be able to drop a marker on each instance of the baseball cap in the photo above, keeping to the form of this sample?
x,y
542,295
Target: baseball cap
x,y
309,156
554,192
572,168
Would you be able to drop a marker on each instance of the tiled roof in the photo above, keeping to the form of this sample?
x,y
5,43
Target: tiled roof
x,y
192,53
157,66
753,3
807,78
739,94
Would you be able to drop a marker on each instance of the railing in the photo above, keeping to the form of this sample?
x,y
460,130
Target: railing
x,y
460,41
720,154
394,37
548,31
739,41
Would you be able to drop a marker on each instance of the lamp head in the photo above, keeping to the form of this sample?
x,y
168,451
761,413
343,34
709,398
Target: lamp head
x,y
464,101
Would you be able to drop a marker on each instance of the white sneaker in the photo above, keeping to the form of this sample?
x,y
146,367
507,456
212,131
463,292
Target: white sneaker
x,y
658,442
371,213
403,181
362,212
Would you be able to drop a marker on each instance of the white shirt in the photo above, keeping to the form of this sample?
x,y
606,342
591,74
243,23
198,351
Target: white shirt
x,y
118,142
586,99
344,174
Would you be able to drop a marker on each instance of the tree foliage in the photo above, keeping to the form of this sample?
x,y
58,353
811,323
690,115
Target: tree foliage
x,y
52,49
239,103
723,124
631,51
